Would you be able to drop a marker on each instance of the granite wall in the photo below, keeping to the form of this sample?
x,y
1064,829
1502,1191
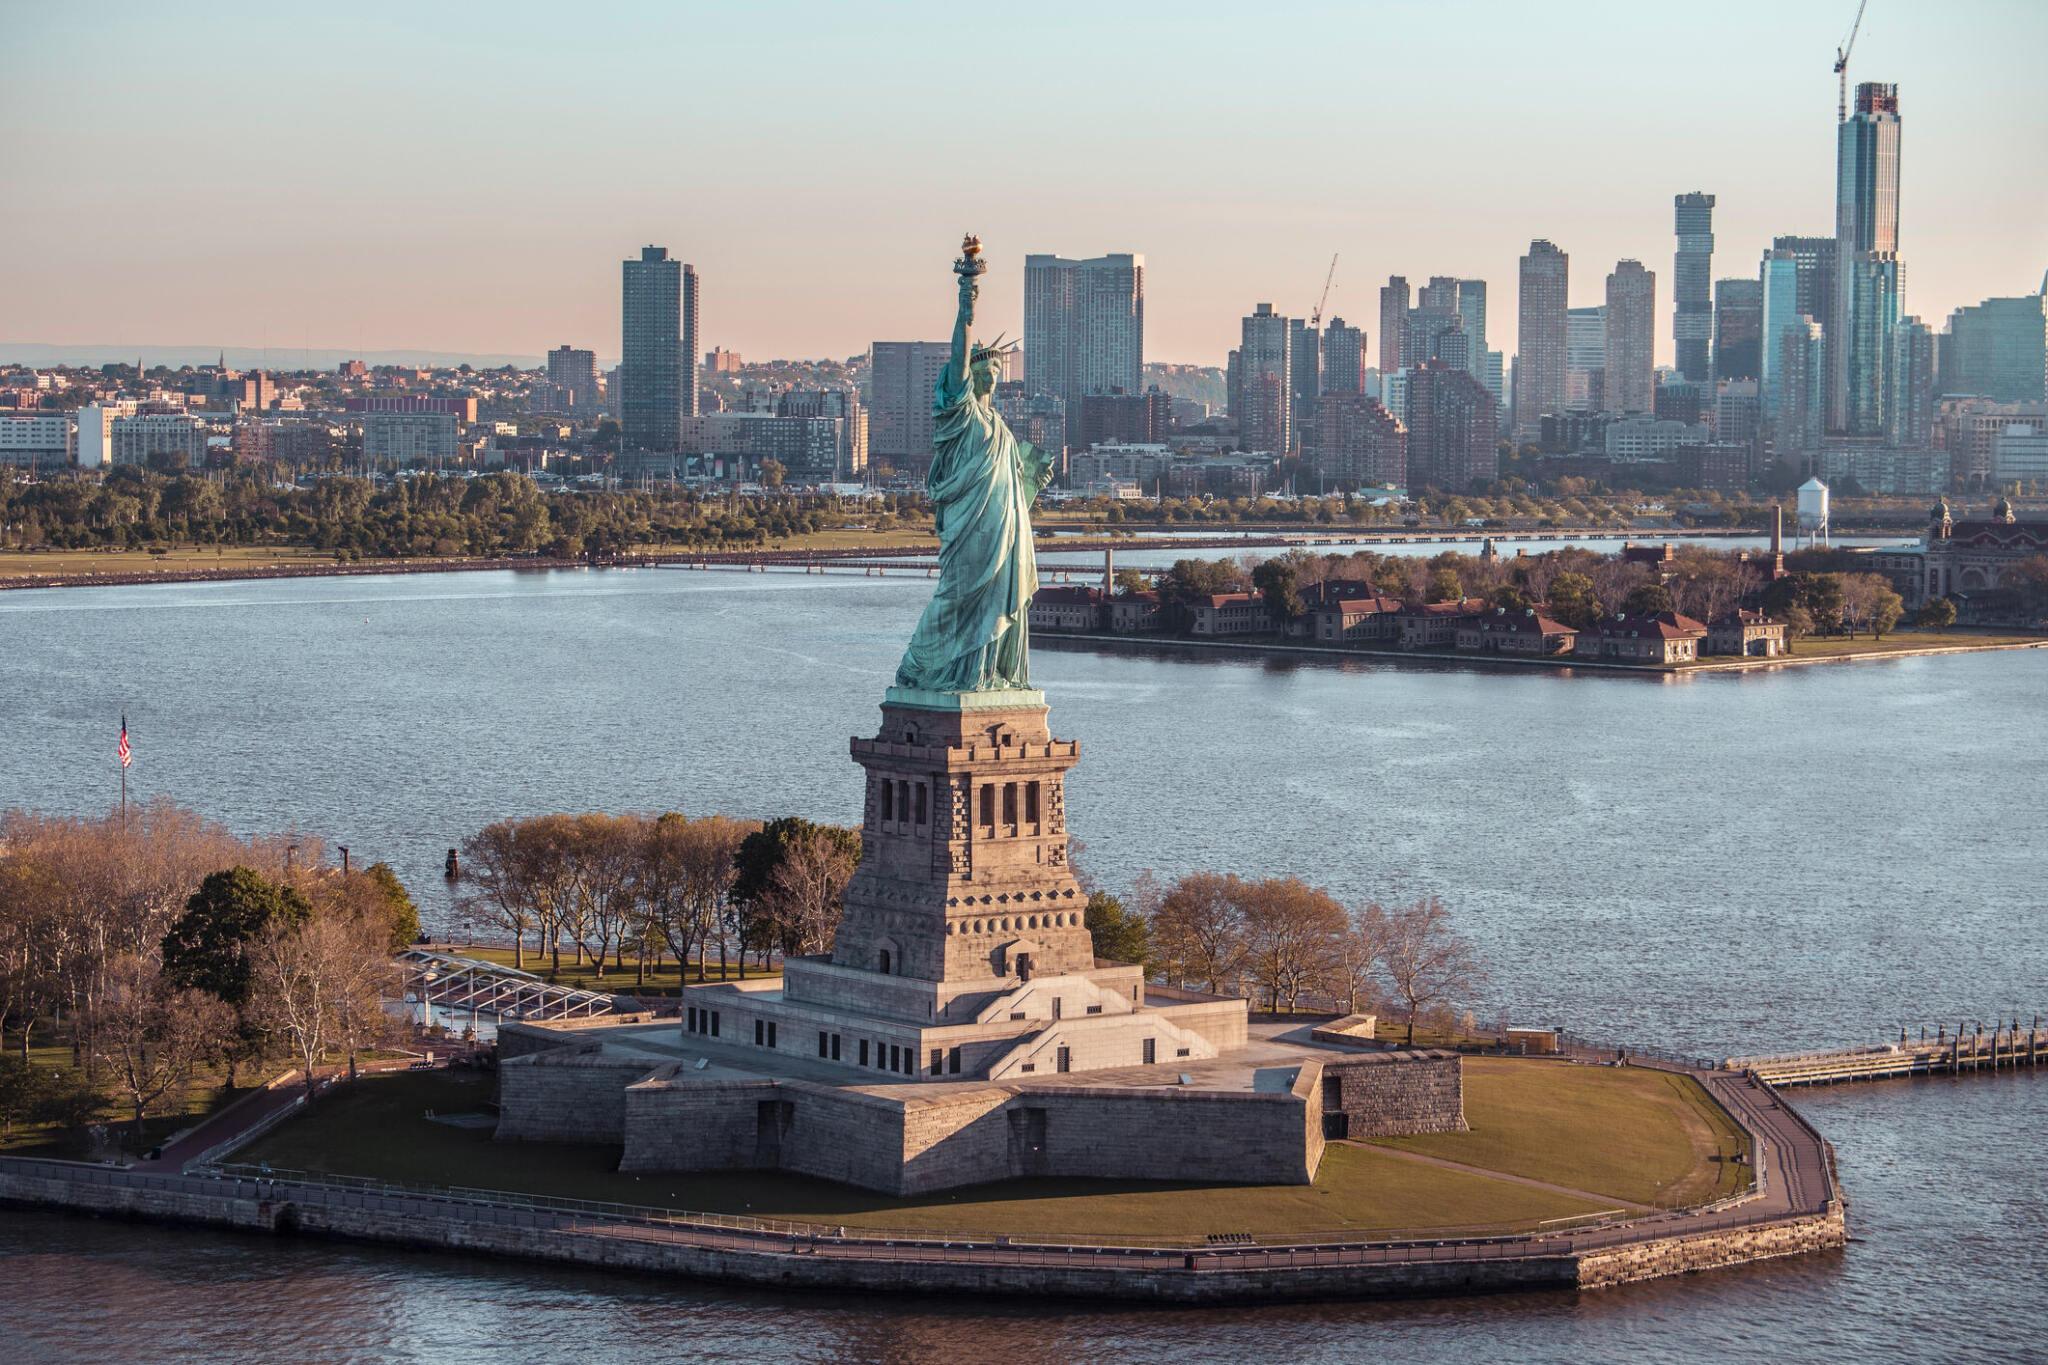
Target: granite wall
x,y
1387,1094
572,1094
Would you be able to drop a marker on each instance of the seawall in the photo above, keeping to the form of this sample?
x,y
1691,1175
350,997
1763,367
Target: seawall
x,y
1588,1260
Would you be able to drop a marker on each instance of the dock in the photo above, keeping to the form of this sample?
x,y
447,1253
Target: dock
x,y
1963,1051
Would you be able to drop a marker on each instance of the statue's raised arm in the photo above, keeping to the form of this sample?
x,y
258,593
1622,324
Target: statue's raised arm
x,y
973,636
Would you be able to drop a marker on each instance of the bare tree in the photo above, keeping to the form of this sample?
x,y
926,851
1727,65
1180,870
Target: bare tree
x,y
1360,950
1427,962
1199,929
498,888
804,892
153,1038
314,984
1291,936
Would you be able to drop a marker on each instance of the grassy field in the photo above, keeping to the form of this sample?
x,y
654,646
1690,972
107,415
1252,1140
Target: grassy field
x,y
207,1093
68,563
1906,640
1631,1133
1614,1133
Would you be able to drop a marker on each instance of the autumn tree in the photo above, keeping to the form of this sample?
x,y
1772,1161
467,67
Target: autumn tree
x,y
1291,933
1937,613
1198,930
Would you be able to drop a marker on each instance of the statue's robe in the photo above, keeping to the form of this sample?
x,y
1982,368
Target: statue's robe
x,y
974,635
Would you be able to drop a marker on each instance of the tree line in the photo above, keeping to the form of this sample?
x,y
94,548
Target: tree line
x,y
1283,941
159,945
503,514
603,887
1576,586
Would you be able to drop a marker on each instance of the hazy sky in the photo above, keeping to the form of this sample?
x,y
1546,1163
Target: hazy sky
x,y
467,177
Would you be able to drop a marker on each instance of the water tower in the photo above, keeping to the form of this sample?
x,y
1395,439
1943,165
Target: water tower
x,y
1813,512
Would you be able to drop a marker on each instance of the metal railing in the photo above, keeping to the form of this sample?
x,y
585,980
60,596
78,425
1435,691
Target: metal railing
x,y
732,1232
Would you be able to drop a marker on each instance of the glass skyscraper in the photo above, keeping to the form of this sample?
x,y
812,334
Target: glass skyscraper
x,y
1692,319
1867,274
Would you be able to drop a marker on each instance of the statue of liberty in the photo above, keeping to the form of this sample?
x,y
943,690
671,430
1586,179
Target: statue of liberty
x,y
974,635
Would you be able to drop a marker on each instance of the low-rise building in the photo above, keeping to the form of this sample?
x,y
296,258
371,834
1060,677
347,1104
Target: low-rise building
x,y
1663,637
1066,608
1366,619
1750,634
1231,613
1527,631
1135,612
1435,626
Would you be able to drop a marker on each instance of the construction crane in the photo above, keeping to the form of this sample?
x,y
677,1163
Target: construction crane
x,y
1315,319
1842,65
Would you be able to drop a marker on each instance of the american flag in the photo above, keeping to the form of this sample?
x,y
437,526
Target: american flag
x,y
127,754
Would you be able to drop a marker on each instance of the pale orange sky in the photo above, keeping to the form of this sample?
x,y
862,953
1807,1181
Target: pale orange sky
x,y
468,177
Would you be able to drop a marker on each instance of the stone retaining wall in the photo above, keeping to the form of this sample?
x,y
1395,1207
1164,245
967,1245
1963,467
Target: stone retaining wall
x,y
969,1137
1193,1278
1710,1251
572,1094
1388,1094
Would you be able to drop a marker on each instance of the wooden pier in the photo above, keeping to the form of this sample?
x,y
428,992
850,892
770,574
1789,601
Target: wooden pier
x,y
1963,1051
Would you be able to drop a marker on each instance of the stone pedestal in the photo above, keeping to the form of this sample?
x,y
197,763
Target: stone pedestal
x,y
963,877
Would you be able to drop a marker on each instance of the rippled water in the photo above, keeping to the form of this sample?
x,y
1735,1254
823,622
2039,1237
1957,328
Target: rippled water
x,y
1728,863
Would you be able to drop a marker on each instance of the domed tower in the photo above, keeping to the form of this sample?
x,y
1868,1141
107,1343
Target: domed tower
x,y
2001,511
1939,523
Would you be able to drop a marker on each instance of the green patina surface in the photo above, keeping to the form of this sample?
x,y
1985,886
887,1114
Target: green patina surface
x,y
974,634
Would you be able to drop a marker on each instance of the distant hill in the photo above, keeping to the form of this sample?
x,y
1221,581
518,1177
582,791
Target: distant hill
x,y
42,353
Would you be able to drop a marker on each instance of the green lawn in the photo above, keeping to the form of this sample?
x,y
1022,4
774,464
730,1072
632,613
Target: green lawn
x,y
1836,648
1649,1137
662,977
378,1128
206,1094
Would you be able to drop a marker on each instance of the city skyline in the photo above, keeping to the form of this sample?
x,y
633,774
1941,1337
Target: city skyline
x,y
822,202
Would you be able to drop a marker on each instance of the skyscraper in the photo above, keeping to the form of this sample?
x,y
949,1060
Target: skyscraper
x,y
1540,363
1393,312
1782,314
1453,429
572,379
1997,349
899,399
1738,329
1631,338
1909,405
1265,374
1084,328
1359,444
1343,358
1305,375
1585,359
1875,283
1692,318
1866,302
652,352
